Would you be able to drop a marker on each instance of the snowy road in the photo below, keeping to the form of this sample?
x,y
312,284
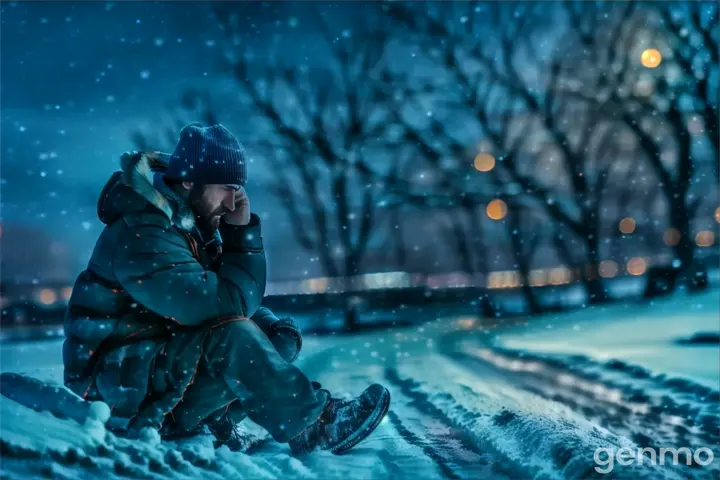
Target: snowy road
x,y
463,407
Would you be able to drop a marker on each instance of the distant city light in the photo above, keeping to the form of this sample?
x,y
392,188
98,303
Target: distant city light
x,y
651,58
504,279
315,285
47,296
496,280
538,278
484,162
560,275
636,266
497,209
671,237
608,269
627,225
705,238
513,279
717,218
66,293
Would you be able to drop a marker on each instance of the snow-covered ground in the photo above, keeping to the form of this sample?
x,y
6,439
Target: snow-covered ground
x,y
470,400
635,333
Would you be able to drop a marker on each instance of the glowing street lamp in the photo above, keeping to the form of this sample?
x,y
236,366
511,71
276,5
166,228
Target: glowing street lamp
x,y
636,266
705,238
717,214
484,162
627,225
67,293
651,58
47,296
497,209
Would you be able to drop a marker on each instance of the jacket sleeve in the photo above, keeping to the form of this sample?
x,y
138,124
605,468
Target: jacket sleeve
x,y
156,267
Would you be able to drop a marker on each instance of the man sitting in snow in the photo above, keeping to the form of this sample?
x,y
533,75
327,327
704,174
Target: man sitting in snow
x,y
165,324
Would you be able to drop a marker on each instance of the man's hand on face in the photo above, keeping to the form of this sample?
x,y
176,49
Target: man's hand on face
x,y
241,215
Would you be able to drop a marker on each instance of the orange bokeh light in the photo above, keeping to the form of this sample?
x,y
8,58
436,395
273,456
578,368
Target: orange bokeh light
x,y
497,209
484,162
627,225
705,238
651,58
47,296
636,266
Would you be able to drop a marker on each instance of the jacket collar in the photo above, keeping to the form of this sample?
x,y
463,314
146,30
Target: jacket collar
x,y
139,172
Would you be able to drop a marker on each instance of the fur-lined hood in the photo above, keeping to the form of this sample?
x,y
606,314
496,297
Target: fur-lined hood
x,y
138,187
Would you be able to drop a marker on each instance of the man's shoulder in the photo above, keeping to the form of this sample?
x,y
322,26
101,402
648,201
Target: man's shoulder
x,y
141,223
146,232
147,219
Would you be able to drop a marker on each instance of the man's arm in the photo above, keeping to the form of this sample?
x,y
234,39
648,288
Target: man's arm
x,y
156,267
283,332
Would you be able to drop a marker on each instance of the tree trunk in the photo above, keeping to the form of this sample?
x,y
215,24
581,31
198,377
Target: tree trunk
x,y
593,282
533,305
692,274
398,237
477,261
352,315
522,257
351,310
486,307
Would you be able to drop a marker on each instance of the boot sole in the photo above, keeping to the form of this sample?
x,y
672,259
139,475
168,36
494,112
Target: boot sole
x,y
366,428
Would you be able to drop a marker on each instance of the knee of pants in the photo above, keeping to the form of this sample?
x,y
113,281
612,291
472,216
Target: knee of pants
x,y
240,344
286,338
282,333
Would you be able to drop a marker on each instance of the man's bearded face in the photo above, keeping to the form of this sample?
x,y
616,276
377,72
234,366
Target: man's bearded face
x,y
210,203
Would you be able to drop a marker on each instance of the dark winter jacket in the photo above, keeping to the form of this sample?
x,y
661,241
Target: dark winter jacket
x,y
152,275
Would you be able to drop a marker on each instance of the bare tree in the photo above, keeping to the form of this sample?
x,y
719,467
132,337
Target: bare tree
x,y
663,107
480,59
323,130
462,193
526,236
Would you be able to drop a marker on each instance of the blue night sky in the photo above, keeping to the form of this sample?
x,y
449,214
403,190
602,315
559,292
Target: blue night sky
x,y
78,77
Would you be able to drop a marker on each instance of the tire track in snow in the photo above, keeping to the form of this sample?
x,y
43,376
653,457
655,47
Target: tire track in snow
x,y
445,469
636,428
454,448
667,419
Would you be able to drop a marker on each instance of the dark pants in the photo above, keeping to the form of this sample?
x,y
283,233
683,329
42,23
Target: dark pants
x,y
238,363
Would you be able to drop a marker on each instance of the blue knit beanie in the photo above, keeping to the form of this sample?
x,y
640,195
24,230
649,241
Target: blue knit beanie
x,y
208,155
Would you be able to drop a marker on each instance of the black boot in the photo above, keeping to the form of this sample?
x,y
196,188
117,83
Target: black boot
x,y
223,426
344,423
